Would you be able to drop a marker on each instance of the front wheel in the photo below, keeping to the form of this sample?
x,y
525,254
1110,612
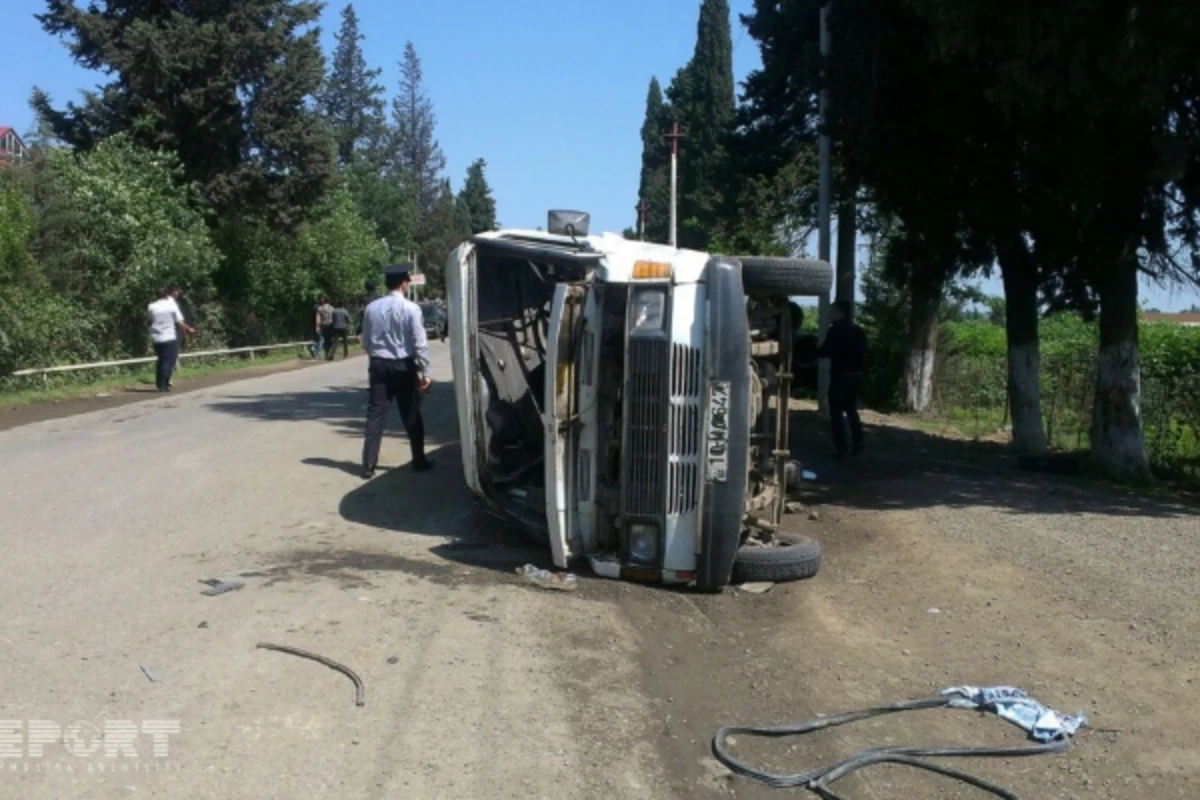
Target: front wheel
x,y
791,558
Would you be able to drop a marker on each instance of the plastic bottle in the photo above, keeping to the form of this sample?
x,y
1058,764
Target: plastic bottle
x,y
561,581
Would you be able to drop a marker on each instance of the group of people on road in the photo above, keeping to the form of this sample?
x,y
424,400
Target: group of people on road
x,y
332,325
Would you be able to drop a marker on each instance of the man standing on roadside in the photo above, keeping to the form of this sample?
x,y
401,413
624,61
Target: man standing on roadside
x,y
341,331
325,324
393,335
845,346
166,320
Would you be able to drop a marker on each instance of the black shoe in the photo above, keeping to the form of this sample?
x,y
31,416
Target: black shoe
x,y
367,474
857,450
424,465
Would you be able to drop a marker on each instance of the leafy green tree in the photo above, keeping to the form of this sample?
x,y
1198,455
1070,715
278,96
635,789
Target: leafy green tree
x,y
113,224
278,275
17,225
383,201
476,197
351,101
225,84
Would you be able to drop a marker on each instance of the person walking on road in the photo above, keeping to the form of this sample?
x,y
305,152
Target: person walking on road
x,y
325,323
340,331
166,320
393,336
845,346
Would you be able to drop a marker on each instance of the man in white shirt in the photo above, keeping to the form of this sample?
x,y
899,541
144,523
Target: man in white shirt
x,y
165,320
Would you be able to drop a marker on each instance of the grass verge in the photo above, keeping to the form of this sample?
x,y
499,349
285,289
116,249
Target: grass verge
x,y
32,390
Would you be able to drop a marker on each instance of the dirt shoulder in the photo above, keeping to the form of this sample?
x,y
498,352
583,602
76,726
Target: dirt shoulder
x,y
945,566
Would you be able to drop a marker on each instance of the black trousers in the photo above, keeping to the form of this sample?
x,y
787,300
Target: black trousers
x,y
843,409
168,354
327,339
393,381
330,340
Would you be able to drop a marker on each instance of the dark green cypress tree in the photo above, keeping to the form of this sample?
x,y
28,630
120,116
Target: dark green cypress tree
x,y
476,198
654,188
702,100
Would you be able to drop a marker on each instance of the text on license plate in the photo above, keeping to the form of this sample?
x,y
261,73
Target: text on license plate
x,y
718,432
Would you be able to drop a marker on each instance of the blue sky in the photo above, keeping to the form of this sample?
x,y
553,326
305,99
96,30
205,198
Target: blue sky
x,y
551,94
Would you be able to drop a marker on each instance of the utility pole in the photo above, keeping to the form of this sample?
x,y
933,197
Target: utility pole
x,y
674,136
825,158
641,209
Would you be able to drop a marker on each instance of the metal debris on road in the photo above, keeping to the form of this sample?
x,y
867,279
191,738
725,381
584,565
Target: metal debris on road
x,y
359,689
221,587
756,588
153,678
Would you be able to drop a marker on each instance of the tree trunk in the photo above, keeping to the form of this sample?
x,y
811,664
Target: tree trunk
x,y
926,295
847,240
1024,352
1116,437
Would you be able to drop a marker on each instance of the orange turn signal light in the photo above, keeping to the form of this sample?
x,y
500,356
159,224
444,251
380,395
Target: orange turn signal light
x,y
651,269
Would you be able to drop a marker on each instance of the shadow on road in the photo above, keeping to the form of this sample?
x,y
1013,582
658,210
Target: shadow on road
x,y
904,468
343,407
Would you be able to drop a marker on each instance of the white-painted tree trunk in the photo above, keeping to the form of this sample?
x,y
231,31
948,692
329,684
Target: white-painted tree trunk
x,y
926,298
1116,436
1024,398
918,378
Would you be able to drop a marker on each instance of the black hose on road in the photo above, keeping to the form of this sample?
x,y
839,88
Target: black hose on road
x,y
359,689
818,780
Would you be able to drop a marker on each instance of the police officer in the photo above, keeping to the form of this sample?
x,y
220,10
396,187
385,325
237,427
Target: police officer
x,y
393,334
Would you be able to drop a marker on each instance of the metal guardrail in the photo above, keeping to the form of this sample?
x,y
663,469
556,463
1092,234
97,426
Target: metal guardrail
x,y
127,362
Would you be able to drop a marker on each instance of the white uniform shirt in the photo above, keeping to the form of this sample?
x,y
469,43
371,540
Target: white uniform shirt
x,y
393,329
164,315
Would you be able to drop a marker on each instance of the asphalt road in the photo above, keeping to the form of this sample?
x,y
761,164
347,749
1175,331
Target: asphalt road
x,y
941,567
112,519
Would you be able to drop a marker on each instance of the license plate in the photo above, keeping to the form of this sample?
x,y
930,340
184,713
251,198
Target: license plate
x,y
718,432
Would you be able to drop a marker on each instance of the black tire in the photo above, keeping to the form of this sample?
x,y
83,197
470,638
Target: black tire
x,y
763,276
793,558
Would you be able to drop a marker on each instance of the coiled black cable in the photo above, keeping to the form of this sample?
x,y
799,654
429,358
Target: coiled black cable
x,y
818,780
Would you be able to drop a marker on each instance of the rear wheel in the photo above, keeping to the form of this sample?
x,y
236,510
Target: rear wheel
x,y
792,557
785,276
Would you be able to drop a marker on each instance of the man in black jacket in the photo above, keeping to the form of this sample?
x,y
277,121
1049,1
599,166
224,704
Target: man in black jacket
x,y
845,346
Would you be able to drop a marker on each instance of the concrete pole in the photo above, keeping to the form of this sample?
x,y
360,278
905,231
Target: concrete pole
x,y
825,157
674,186
674,136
